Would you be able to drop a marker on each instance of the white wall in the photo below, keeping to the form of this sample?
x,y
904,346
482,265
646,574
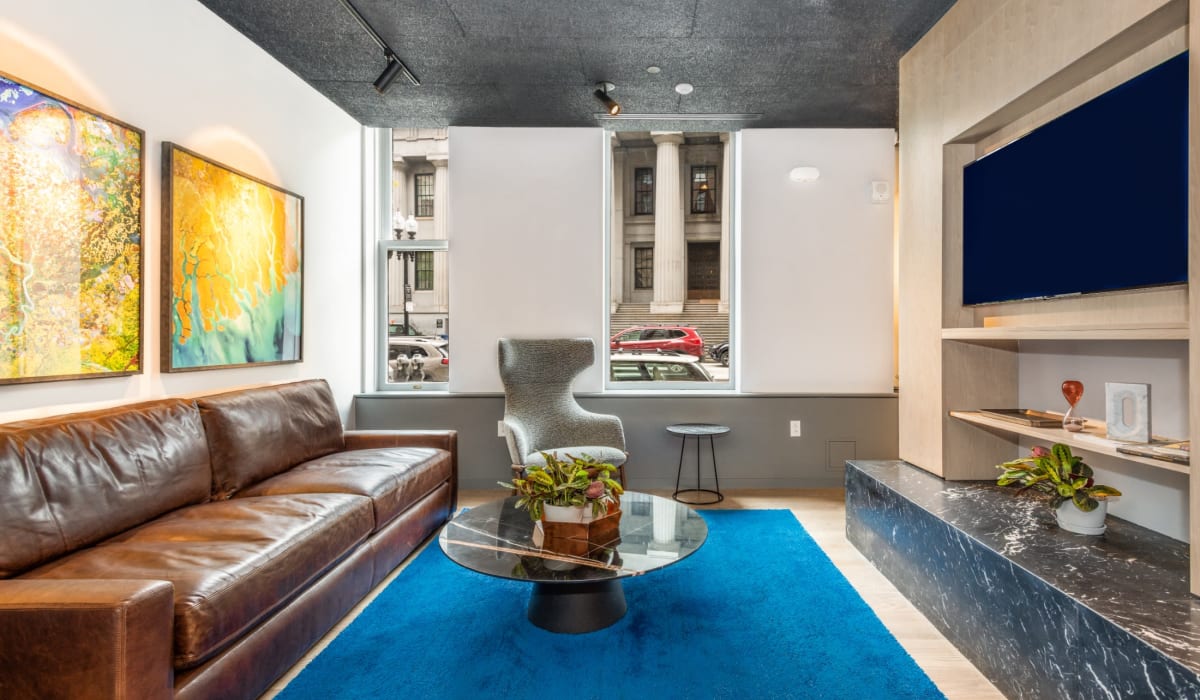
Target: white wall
x,y
526,245
527,255
1154,498
177,71
816,262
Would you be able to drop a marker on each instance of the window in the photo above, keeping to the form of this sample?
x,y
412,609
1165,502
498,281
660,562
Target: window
x,y
417,343
424,204
643,268
704,189
412,294
424,270
670,333
643,191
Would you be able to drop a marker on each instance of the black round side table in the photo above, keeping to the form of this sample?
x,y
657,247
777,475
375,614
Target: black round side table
x,y
698,431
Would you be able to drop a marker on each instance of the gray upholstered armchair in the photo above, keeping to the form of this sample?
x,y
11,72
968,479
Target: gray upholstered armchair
x,y
540,412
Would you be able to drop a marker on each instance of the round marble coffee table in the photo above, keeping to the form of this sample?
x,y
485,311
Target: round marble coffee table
x,y
574,594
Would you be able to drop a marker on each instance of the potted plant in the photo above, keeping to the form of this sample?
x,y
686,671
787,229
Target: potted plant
x,y
1080,504
574,489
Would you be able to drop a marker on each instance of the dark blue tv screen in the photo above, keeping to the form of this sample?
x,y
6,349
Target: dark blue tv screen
x,y
1095,200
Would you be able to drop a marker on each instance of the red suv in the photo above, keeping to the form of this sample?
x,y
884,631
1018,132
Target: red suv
x,y
684,339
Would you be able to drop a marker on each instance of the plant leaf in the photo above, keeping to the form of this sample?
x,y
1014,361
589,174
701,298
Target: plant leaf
x,y
1085,503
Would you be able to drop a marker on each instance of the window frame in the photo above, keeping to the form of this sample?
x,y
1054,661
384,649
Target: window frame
x,y
423,267
638,250
731,208
712,191
423,197
385,247
638,191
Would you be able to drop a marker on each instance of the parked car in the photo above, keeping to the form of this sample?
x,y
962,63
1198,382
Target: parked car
x,y
720,353
418,359
397,328
684,339
656,367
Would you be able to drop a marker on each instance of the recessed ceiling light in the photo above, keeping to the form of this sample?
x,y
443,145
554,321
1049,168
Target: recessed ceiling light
x,y
684,88
654,70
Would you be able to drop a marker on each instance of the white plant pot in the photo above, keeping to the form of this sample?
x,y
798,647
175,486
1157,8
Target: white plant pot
x,y
1072,519
566,514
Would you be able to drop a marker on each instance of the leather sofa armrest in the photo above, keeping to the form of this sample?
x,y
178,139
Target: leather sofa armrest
x,y
367,439
442,439
74,638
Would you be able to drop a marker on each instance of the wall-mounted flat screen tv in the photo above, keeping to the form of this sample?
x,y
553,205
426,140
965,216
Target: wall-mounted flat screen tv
x,y
1093,201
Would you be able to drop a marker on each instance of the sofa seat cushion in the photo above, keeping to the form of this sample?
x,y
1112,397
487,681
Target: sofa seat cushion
x,y
232,563
394,478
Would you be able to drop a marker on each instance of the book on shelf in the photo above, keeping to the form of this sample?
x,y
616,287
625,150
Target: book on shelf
x,y
1178,452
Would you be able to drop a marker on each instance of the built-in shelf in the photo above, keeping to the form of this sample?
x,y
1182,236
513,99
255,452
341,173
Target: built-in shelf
x,y
1148,332
1091,439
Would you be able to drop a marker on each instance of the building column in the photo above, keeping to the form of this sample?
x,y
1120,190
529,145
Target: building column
x,y
399,189
400,204
441,229
616,277
726,220
670,249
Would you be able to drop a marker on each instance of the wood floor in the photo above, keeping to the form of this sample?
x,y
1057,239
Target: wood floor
x,y
823,514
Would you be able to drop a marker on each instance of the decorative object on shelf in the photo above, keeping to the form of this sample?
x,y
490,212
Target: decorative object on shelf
x,y
575,481
1079,503
1128,411
1024,416
1072,391
1177,452
232,252
72,231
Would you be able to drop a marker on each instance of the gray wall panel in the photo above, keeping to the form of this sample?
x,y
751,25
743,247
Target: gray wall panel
x,y
758,453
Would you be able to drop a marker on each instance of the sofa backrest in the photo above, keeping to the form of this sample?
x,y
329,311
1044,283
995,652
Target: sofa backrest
x,y
257,433
69,481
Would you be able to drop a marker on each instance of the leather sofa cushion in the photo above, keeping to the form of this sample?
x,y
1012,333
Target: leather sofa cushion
x,y
69,481
393,478
257,433
232,563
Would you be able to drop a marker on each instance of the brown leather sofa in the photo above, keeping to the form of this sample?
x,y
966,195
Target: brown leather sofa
x,y
196,548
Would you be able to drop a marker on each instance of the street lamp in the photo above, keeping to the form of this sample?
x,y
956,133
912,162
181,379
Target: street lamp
x,y
401,226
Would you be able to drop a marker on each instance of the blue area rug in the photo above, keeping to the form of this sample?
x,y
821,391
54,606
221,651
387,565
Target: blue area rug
x,y
759,611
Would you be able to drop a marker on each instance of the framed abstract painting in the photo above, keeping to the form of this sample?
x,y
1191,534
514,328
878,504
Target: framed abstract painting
x,y
71,231
232,280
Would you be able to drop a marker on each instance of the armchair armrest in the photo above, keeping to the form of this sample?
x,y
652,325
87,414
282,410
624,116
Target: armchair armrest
x,y
90,638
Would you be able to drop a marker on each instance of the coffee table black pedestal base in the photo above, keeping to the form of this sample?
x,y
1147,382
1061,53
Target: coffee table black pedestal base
x,y
575,608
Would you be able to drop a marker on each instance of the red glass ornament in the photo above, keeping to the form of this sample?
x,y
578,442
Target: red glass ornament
x,y
1072,391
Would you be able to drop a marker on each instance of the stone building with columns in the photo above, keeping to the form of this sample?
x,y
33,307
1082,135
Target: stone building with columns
x,y
420,189
669,230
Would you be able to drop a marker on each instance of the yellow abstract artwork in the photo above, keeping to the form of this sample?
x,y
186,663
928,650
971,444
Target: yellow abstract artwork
x,y
233,247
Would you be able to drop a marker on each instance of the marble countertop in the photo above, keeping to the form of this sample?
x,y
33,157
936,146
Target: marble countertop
x,y
1133,576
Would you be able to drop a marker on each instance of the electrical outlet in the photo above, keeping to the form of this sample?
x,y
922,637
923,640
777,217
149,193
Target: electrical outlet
x,y
794,429
500,429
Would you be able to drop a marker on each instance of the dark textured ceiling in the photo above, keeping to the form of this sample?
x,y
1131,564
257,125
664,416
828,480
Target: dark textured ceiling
x,y
799,63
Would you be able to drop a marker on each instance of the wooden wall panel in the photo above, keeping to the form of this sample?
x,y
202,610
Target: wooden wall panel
x,y
988,71
1194,275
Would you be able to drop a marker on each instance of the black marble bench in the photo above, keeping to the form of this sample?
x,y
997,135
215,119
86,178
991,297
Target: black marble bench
x,y
1043,613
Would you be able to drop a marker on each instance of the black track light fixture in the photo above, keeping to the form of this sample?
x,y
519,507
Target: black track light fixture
x,y
393,68
394,65
610,105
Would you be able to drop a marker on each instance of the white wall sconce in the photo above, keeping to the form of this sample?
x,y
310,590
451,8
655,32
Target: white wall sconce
x,y
804,173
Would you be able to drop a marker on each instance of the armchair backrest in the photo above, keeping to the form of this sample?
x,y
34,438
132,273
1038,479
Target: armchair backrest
x,y
539,408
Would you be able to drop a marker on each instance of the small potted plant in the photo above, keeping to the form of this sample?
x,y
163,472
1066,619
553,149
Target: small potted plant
x,y
1080,504
574,489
